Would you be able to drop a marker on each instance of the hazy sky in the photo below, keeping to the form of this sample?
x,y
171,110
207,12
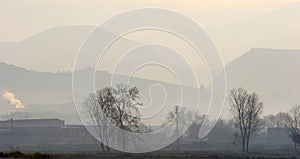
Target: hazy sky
x,y
23,18
235,26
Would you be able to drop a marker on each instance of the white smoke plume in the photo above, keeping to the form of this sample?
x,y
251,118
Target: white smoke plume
x,y
12,100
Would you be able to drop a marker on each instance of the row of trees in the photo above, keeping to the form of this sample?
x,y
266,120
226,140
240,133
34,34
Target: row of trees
x,y
119,106
291,120
246,119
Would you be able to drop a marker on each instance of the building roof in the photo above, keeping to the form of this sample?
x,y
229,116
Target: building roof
x,y
52,122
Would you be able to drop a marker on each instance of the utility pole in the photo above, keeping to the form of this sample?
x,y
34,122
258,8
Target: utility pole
x,y
177,127
11,131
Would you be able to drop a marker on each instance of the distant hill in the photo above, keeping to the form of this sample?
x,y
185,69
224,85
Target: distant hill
x,y
59,44
273,73
55,49
50,94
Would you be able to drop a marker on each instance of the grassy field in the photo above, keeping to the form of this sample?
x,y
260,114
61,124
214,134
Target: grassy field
x,y
159,154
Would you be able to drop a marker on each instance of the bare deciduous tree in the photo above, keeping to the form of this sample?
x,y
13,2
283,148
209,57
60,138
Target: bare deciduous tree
x,y
98,108
117,106
126,113
179,118
293,123
278,120
247,115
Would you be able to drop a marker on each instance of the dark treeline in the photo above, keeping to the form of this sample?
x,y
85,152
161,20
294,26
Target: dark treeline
x,y
111,106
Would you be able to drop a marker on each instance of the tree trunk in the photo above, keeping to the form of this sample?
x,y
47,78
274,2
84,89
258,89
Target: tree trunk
x,y
107,149
123,136
243,145
247,140
102,147
247,144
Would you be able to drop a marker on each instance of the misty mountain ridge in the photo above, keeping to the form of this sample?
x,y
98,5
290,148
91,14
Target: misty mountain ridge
x,y
266,65
278,28
61,43
270,72
50,94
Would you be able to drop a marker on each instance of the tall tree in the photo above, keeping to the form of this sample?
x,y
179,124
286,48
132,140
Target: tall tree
x,y
247,115
117,106
126,113
278,120
293,123
98,108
